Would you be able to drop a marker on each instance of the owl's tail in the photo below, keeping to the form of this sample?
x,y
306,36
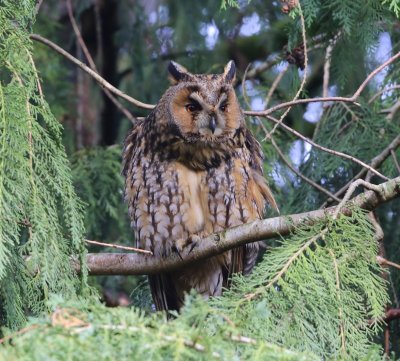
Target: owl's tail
x,y
165,296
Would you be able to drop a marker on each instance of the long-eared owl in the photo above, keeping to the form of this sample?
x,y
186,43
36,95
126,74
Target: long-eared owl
x,y
192,168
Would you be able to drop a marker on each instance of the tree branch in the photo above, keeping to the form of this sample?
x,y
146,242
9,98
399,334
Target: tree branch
x,y
327,150
269,136
301,175
139,250
303,82
392,314
104,83
263,113
38,5
351,99
375,163
137,264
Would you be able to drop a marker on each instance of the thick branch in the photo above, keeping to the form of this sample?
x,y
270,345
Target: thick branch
x,y
392,314
135,264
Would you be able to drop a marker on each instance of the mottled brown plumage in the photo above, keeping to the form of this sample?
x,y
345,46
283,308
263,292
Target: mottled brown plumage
x,y
193,168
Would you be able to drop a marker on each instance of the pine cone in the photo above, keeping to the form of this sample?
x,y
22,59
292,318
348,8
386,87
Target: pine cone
x,y
296,57
288,5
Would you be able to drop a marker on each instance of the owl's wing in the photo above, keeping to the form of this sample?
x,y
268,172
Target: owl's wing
x,y
249,253
256,163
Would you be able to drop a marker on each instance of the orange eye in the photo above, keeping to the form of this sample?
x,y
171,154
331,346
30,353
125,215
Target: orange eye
x,y
223,107
192,107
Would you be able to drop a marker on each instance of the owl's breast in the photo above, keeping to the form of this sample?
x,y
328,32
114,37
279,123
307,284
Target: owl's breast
x,y
167,202
194,197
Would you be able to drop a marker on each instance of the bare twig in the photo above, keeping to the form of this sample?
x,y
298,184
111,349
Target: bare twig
x,y
263,113
139,250
104,83
351,99
275,84
134,264
327,65
375,163
91,62
392,314
286,161
391,112
327,150
303,82
20,332
253,73
302,176
375,72
384,90
78,35
38,5
350,192
384,262
244,92
395,161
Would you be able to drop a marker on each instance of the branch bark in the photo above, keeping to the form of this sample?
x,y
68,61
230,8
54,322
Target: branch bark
x,y
138,264
392,314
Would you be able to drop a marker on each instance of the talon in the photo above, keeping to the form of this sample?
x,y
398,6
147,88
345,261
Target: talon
x,y
192,247
179,254
193,241
178,246
175,249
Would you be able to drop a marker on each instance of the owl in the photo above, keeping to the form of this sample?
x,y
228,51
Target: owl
x,y
192,168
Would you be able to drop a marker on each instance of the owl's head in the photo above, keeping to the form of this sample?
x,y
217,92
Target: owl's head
x,y
203,108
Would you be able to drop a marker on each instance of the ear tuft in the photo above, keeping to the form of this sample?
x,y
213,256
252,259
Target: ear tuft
x,y
230,72
177,72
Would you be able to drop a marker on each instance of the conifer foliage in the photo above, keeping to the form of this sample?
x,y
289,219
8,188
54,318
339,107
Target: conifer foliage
x,y
40,215
317,293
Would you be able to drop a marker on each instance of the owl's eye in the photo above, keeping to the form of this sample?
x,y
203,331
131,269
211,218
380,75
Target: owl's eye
x,y
193,107
223,107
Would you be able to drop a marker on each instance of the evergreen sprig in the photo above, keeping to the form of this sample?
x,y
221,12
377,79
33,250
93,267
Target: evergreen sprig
x,y
317,291
74,331
97,177
394,5
40,215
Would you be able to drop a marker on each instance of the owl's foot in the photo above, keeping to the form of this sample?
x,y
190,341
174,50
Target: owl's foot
x,y
185,246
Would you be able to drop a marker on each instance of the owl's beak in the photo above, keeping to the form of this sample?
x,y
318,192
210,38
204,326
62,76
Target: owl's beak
x,y
212,124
